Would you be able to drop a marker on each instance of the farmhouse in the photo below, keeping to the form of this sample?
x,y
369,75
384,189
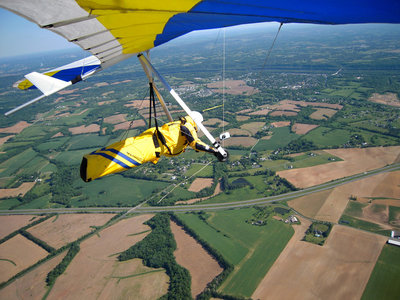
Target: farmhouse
x,y
394,238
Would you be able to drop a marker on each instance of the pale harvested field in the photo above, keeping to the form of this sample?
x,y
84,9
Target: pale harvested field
x,y
115,119
57,135
5,139
85,129
245,111
262,112
33,284
299,128
242,118
17,128
95,272
354,161
338,270
283,113
126,125
232,87
191,201
200,183
329,205
21,190
240,141
281,124
9,224
253,127
318,104
22,252
68,92
106,102
323,113
138,103
387,98
214,121
66,228
238,131
192,256
310,205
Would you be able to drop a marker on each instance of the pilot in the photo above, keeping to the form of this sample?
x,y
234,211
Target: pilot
x,y
171,139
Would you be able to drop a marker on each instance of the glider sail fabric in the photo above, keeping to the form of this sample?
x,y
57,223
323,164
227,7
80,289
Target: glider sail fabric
x,y
113,30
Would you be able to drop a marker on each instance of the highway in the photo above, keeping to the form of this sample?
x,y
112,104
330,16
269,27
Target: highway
x,y
142,208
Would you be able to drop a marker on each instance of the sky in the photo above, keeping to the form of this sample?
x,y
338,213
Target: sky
x,y
20,36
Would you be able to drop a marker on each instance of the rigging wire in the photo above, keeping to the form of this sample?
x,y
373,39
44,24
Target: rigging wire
x,y
268,55
223,83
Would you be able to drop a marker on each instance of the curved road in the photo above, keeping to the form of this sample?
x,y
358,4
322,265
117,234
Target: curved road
x,y
197,207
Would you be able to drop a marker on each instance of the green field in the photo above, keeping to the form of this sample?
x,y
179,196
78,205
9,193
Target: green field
x,y
327,137
354,209
394,214
280,138
115,190
12,165
364,225
84,141
206,172
252,249
53,144
384,280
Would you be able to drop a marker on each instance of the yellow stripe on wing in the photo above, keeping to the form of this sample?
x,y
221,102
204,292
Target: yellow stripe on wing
x,y
136,23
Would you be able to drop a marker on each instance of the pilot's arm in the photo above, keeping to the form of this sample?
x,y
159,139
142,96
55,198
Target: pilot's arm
x,y
190,134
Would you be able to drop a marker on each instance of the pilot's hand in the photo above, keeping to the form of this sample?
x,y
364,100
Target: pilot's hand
x,y
220,157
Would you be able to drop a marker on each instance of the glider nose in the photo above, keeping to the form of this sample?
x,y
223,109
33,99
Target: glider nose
x,y
84,170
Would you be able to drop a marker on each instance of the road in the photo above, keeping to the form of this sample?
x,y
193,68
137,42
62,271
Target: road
x,y
141,208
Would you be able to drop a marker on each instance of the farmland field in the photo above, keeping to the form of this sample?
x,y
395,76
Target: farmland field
x,y
63,229
383,282
192,256
327,268
102,275
248,247
18,253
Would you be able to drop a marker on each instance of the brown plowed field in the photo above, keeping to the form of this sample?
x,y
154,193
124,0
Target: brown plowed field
x,y
5,139
253,127
330,272
9,224
329,205
21,190
115,119
354,161
61,230
200,183
126,125
21,252
277,113
281,124
85,129
33,284
95,272
388,99
191,255
17,128
323,113
299,128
